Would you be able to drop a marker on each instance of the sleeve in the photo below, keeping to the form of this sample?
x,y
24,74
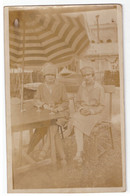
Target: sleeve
x,y
65,100
101,105
78,96
78,99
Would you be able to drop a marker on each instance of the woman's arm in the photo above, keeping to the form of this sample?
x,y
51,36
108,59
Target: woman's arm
x,y
92,110
100,107
78,100
64,105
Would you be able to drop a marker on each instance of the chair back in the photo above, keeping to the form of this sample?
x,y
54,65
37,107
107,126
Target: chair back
x,y
110,89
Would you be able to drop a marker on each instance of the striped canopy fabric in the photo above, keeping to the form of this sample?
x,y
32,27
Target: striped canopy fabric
x,y
36,39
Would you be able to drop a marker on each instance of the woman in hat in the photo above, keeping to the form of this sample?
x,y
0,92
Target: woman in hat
x,y
53,97
90,104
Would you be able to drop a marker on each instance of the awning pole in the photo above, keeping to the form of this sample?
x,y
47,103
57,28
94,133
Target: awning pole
x,y
22,82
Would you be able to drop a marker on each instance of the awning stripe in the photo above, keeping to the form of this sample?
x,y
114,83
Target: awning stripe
x,y
56,38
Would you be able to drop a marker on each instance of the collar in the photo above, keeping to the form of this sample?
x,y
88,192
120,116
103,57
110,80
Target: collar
x,y
56,83
96,84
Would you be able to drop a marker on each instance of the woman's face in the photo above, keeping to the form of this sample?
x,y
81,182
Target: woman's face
x,y
50,78
87,76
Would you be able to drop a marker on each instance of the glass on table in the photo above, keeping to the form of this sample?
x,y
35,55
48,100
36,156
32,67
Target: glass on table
x,y
38,104
52,106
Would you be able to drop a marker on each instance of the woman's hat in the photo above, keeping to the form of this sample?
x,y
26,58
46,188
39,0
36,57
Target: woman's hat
x,y
86,65
49,68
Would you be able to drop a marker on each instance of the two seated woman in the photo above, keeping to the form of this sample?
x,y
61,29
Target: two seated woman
x,y
89,102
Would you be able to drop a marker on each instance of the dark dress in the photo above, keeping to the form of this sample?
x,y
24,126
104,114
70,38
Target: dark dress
x,y
58,97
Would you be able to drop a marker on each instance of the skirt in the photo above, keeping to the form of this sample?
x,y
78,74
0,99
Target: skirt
x,y
86,124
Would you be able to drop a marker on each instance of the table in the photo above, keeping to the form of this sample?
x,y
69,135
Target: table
x,y
28,120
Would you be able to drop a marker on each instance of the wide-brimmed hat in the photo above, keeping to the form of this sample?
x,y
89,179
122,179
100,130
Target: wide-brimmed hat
x,y
49,68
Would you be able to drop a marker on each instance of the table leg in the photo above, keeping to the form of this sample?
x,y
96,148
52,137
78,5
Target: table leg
x,y
52,143
20,147
13,162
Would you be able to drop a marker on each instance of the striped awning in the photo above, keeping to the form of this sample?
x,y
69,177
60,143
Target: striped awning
x,y
56,38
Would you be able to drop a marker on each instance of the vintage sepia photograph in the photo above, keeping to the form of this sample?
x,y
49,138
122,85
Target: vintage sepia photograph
x,y
64,98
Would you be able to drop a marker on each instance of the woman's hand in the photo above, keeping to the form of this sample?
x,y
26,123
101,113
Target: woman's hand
x,y
85,112
46,106
37,102
59,108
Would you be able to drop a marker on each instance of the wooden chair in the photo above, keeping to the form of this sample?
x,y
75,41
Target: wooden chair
x,y
103,125
110,89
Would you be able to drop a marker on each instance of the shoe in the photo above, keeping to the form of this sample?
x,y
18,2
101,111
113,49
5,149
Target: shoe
x,y
79,157
63,162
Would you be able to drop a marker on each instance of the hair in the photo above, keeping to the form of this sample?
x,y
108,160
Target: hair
x,y
93,73
46,64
